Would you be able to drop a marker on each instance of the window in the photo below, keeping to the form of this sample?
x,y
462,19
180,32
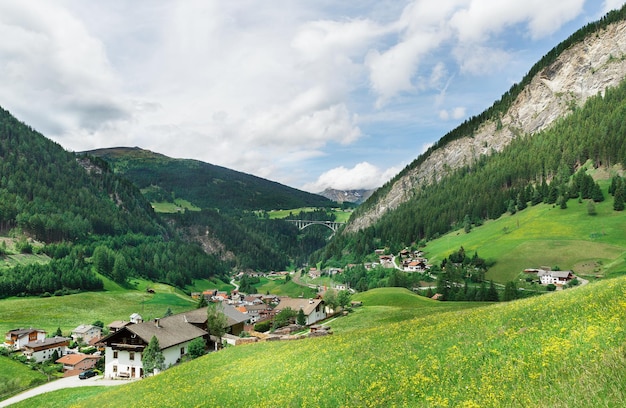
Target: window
x,y
114,353
131,355
115,369
182,351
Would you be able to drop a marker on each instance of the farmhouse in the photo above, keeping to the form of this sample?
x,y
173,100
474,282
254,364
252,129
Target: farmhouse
x,y
74,364
18,338
555,277
313,308
42,350
123,348
86,332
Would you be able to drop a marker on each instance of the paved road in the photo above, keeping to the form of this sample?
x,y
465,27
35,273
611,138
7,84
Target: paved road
x,y
67,382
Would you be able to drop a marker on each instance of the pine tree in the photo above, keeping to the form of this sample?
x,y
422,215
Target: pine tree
x,y
152,357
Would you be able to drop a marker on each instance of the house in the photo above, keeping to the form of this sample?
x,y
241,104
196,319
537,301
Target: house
x,y
235,320
86,332
117,325
555,277
313,308
136,318
16,339
124,348
42,350
74,364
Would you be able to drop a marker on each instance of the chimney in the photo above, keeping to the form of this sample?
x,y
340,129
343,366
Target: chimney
x,y
156,322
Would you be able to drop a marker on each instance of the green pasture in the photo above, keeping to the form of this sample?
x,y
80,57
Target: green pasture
x,y
16,377
179,205
201,285
545,235
278,286
62,398
500,355
341,215
69,311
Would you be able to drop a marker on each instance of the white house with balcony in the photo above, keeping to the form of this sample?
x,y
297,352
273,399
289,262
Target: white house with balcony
x,y
124,347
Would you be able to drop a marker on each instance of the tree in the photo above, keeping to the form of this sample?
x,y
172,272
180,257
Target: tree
x,y
591,208
168,312
284,317
196,348
216,322
492,293
467,223
330,299
58,332
510,291
343,298
301,318
152,357
202,302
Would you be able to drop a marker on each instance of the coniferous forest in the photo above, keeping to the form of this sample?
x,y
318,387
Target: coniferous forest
x,y
531,170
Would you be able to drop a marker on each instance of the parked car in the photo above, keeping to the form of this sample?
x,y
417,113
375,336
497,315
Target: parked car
x,y
87,374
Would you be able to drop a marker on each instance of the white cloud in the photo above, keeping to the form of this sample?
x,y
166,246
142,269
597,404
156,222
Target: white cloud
x,y
609,5
268,89
483,18
363,175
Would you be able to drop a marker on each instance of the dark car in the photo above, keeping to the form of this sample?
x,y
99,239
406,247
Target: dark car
x,y
87,374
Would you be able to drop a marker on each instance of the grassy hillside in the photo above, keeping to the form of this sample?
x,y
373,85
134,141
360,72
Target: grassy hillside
x,y
115,303
593,246
17,376
565,349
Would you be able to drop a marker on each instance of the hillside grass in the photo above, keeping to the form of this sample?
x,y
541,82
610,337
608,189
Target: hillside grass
x,y
16,377
341,215
179,205
545,235
278,287
564,349
115,303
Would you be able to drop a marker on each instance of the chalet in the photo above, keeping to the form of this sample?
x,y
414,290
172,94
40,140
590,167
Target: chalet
x,y
16,339
74,364
314,273
117,325
313,308
86,333
417,265
555,277
124,348
42,350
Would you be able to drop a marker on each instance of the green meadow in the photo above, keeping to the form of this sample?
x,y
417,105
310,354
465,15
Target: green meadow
x,y
278,286
15,377
593,246
436,354
179,205
114,303
341,215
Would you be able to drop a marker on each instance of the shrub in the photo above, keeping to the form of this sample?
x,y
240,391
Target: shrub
x,y
263,326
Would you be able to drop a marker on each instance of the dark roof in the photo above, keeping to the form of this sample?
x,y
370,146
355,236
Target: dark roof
x,y
21,332
48,341
199,316
170,331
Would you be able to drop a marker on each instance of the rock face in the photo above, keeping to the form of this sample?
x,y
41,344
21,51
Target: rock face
x,y
350,196
583,70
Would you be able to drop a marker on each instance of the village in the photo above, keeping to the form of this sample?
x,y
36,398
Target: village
x,y
115,349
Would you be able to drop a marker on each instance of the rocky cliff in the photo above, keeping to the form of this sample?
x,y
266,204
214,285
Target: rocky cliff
x,y
583,70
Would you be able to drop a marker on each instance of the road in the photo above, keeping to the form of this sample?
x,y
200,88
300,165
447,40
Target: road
x,y
67,382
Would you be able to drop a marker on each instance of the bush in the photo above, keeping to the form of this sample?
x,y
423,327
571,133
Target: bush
x,y
263,326
551,287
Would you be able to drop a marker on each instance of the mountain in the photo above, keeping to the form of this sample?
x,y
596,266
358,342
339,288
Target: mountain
x,y
587,63
534,147
205,185
80,217
348,196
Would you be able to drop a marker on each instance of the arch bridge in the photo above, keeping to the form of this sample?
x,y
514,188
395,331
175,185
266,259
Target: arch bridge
x,y
302,224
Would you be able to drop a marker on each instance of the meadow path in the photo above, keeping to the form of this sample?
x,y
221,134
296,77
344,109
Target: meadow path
x,y
67,382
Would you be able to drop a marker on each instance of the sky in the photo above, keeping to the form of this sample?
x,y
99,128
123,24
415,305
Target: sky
x,y
312,94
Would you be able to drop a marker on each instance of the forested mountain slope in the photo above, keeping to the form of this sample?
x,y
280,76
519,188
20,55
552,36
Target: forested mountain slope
x,y
584,65
205,185
86,217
